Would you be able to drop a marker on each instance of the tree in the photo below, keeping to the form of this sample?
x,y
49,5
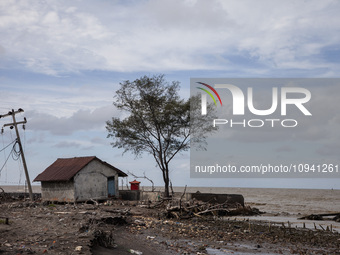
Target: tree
x,y
158,121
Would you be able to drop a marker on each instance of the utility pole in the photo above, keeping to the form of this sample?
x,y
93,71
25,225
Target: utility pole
x,y
15,124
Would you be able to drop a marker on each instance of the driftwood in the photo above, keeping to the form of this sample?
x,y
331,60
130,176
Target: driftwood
x,y
119,211
3,195
179,209
180,201
336,216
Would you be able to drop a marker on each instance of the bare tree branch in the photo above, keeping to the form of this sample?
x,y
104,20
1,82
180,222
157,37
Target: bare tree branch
x,y
143,177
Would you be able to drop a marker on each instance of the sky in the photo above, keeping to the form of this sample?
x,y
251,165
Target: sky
x,y
62,61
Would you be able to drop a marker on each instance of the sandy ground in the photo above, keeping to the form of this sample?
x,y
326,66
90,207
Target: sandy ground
x,y
39,228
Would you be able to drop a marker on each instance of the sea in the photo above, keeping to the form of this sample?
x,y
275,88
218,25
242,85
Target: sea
x,y
281,206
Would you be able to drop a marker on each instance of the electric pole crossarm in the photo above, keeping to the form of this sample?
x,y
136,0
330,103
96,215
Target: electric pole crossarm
x,y
12,124
11,113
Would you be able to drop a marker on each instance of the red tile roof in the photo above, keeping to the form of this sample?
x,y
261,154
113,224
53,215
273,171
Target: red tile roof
x,y
63,169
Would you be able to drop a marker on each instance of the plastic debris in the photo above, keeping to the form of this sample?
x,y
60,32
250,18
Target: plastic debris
x,y
78,248
135,252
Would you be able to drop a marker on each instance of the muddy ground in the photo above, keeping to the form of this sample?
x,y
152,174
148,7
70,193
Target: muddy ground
x,y
39,228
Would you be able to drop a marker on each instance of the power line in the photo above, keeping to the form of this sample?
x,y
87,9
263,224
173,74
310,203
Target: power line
x,y
8,157
16,152
8,145
3,143
10,182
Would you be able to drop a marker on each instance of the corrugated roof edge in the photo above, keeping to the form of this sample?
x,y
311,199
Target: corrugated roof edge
x,y
42,176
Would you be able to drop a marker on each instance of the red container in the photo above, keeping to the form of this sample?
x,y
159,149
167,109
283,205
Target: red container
x,y
135,185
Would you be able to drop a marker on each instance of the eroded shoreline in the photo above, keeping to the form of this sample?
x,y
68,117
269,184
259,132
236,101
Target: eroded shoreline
x,y
36,228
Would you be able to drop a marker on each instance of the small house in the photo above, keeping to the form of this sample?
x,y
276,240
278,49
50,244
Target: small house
x,y
79,179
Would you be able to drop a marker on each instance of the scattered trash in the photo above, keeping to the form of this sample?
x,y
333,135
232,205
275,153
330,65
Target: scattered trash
x,y
78,248
135,252
52,246
140,223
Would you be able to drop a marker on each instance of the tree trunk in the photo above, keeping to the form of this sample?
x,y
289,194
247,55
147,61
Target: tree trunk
x,y
166,190
166,183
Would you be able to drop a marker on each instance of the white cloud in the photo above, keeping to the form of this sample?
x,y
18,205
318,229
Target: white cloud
x,y
284,148
59,37
59,100
80,120
66,144
330,149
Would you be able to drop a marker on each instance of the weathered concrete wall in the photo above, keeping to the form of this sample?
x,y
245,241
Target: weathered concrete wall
x,y
130,195
21,195
204,197
57,191
150,195
91,182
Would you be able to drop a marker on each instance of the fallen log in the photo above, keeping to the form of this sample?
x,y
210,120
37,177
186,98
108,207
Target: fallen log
x,y
320,216
119,211
213,210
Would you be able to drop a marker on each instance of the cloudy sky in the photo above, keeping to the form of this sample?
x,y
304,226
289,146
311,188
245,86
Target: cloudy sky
x,y
62,61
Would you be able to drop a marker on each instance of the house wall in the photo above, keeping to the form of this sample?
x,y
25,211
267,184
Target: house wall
x,y
91,181
57,191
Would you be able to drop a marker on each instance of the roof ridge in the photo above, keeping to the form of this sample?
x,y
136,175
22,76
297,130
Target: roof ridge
x,y
80,157
63,169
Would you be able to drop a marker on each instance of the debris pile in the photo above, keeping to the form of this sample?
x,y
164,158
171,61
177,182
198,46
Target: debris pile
x,y
194,208
3,195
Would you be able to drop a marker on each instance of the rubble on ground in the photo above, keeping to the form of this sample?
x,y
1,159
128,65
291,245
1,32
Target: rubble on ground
x,y
166,227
